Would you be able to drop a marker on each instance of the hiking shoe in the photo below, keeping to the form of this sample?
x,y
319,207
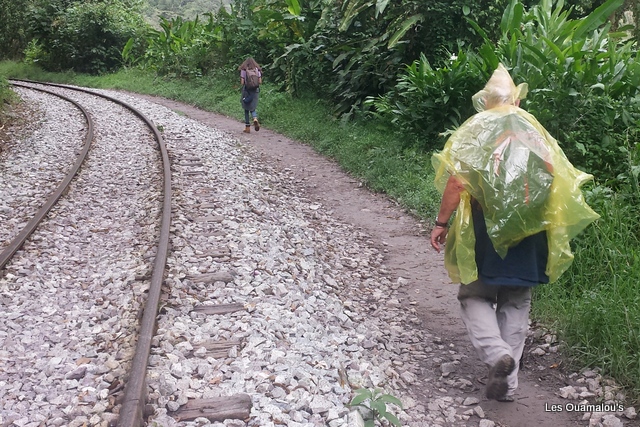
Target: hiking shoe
x,y
506,398
256,125
247,129
497,386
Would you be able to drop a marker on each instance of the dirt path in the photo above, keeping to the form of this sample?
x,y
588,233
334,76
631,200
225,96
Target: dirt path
x,y
408,255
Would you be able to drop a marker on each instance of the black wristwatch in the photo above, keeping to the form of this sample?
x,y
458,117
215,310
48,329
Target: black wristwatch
x,y
441,224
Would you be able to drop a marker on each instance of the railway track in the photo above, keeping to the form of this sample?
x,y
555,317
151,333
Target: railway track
x,y
131,409
271,310
16,242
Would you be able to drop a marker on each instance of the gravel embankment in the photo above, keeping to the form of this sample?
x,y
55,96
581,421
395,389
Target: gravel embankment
x,y
70,298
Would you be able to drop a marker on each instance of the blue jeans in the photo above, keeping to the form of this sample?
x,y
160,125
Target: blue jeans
x,y
254,114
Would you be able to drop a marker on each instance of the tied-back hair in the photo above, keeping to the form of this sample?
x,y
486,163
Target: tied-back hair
x,y
249,64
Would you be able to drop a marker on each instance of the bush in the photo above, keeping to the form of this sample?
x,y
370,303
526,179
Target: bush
x,y
84,37
427,100
596,304
596,132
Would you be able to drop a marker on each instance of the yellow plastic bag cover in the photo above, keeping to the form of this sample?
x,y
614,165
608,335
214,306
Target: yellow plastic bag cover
x,y
519,175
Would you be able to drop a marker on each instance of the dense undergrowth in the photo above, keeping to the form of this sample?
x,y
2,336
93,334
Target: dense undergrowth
x,y
6,95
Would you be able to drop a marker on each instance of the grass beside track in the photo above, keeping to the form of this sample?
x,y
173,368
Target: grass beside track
x,y
595,306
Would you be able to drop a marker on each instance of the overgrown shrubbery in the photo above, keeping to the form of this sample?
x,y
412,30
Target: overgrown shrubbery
x,y
6,95
180,48
86,37
583,82
427,101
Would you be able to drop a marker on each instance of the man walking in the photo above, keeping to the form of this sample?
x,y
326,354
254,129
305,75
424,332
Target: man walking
x,y
518,203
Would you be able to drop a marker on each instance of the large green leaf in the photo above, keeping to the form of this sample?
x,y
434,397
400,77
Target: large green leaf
x,y
597,17
489,56
559,54
512,17
478,29
354,8
294,7
127,48
406,25
381,5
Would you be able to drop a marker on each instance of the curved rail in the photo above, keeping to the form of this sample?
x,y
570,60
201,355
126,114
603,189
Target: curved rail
x,y
23,235
131,412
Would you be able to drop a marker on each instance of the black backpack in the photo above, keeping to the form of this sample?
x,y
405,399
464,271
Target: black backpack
x,y
252,81
514,186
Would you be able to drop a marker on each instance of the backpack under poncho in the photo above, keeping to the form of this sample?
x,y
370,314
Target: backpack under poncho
x,y
517,172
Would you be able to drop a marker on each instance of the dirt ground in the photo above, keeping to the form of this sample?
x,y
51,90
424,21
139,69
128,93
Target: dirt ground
x,y
404,239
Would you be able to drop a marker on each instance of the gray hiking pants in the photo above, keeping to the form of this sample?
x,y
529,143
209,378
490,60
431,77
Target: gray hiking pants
x,y
497,320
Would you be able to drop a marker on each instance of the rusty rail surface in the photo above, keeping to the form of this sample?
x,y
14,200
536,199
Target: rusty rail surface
x,y
132,409
23,235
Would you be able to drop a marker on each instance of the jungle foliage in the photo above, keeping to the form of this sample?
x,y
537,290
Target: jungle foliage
x,y
84,36
581,76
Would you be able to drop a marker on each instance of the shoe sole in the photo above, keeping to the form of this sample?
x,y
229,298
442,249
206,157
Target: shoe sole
x,y
497,385
256,126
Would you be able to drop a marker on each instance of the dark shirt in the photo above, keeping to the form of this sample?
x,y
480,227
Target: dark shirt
x,y
524,264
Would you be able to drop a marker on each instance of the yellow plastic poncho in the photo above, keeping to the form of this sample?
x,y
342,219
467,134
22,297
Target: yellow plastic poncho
x,y
524,183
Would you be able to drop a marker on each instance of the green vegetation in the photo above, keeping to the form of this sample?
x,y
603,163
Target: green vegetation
x,y
6,97
84,36
596,304
374,402
390,85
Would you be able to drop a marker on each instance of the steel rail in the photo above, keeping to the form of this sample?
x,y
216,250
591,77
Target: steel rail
x,y
23,235
132,409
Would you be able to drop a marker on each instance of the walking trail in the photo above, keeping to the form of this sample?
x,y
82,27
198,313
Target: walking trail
x,y
405,242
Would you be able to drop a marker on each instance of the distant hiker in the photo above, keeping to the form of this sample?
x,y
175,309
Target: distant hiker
x,y
518,204
250,79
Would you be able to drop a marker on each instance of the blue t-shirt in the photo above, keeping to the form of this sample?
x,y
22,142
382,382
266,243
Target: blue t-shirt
x,y
524,264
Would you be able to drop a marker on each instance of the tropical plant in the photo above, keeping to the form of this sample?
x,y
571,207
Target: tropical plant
x,y
375,402
427,100
180,48
378,38
581,76
546,46
13,28
296,33
83,36
366,54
